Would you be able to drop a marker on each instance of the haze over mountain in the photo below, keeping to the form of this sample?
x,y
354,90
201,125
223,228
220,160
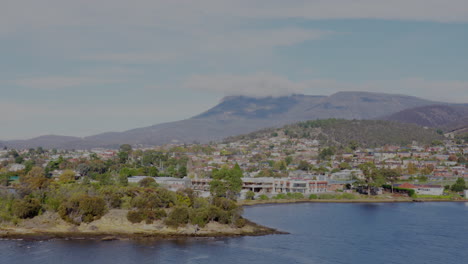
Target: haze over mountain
x,y
236,115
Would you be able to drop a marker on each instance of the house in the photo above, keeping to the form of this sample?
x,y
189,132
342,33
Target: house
x,y
423,189
16,167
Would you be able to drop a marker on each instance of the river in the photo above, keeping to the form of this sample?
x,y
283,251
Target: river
x,y
320,233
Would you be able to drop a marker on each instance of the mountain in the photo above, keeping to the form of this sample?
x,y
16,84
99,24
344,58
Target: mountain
x,y
446,117
48,141
236,115
341,132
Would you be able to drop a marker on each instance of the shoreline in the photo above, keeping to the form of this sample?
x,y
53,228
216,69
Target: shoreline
x,y
141,231
383,200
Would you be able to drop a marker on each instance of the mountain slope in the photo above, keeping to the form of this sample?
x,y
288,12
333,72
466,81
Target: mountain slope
x,y
446,117
240,114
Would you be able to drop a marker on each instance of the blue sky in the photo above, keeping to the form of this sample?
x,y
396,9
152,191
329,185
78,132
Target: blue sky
x,y
85,67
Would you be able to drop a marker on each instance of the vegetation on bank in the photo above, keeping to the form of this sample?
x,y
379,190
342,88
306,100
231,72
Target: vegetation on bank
x,y
85,201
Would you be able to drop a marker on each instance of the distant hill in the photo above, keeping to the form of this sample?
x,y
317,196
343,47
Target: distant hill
x,y
367,133
48,141
446,117
236,115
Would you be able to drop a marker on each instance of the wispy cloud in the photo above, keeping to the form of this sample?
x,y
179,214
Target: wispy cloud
x,y
61,82
259,84
268,84
133,58
17,15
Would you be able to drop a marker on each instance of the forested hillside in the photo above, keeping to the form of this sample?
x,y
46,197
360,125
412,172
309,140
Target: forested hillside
x,y
335,132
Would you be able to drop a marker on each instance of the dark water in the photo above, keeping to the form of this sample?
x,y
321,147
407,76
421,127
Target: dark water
x,y
320,233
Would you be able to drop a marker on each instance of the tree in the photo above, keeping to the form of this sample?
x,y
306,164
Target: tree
x,y
26,208
126,148
459,185
412,169
83,208
123,157
153,172
67,176
372,177
390,176
249,195
303,165
123,180
353,145
34,180
226,182
147,182
326,153
344,166
83,169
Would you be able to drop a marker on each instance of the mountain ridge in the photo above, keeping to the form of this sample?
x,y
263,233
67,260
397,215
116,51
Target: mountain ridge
x,y
242,114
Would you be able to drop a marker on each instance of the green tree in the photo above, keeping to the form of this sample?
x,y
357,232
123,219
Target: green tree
x,y
123,157
344,166
372,177
153,172
147,182
123,180
26,208
34,180
303,165
126,148
249,195
67,176
390,176
459,185
353,145
226,182
326,153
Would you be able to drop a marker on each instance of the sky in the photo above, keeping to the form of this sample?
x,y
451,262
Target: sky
x,y
79,68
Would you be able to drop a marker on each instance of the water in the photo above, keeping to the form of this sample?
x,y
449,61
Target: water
x,y
320,233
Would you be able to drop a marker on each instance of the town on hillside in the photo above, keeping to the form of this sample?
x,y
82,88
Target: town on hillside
x,y
273,166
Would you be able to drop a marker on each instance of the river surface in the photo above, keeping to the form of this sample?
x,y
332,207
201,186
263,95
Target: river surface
x,y
379,233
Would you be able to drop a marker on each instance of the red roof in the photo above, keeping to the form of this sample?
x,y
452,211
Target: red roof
x,y
407,186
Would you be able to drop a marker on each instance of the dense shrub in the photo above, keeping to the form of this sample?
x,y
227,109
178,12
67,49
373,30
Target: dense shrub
x,y
178,216
26,208
224,203
410,192
263,197
147,182
218,215
280,196
313,196
295,195
327,196
250,195
200,202
136,216
199,216
240,222
347,196
158,198
82,208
